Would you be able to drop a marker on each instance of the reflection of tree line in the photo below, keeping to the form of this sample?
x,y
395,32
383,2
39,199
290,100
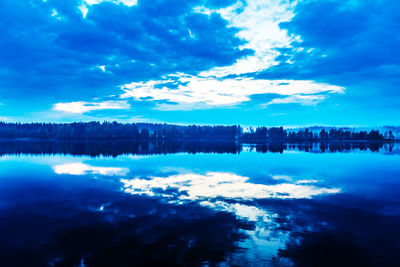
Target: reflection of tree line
x,y
115,148
146,132
324,147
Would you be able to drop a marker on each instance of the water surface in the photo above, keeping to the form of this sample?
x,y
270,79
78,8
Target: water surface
x,y
299,207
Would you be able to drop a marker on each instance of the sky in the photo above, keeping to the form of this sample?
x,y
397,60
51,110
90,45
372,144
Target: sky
x,y
248,62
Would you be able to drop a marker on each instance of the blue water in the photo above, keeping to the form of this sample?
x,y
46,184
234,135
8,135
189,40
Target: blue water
x,y
247,209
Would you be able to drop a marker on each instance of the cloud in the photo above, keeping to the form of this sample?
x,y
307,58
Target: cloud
x,y
215,190
6,119
80,168
199,92
348,44
214,185
100,45
133,43
81,107
84,7
258,21
124,2
308,100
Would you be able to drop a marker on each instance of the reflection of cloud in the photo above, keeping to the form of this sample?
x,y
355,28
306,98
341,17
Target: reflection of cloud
x,y
214,185
80,168
251,213
216,190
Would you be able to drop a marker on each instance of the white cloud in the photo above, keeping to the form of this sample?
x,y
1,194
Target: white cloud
x,y
84,6
79,168
199,92
258,21
102,67
124,2
81,107
282,177
300,99
3,118
54,13
310,181
84,9
288,178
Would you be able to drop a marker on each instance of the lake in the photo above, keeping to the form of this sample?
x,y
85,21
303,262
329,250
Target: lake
x,y
199,205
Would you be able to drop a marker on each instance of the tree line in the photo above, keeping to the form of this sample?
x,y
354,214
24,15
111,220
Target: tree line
x,y
334,134
115,131
146,132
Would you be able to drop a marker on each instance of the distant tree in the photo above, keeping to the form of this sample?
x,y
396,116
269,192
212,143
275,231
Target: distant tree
x,y
168,132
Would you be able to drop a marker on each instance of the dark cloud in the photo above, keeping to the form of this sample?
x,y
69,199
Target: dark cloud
x,y
342,42
43,55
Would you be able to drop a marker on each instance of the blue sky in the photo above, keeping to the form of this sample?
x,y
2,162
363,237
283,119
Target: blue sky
x,y
254,62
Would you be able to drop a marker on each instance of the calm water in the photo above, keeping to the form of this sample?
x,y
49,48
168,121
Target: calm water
x,y
294,208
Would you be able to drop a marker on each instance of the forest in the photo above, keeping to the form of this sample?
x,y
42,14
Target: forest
x,y
155,132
